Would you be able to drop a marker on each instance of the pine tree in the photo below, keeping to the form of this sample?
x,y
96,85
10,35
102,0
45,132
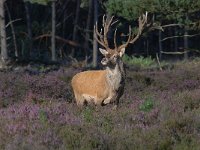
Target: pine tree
x,y
4,52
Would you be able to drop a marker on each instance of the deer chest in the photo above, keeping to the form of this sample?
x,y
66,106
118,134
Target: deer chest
x,y
115,81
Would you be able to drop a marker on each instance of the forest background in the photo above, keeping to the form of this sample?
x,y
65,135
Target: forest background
x,y
62,30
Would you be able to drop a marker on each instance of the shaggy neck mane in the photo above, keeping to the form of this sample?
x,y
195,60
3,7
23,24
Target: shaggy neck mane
x,y
115,75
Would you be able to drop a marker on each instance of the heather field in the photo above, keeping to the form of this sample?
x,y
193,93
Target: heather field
x,y
160,110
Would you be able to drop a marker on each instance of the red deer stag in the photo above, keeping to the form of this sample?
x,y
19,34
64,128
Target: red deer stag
x,y
102,87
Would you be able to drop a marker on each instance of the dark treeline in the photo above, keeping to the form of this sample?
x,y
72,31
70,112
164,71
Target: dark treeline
x,y
60,30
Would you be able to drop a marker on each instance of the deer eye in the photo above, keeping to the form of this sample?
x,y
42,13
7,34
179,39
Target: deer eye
x,y
104,61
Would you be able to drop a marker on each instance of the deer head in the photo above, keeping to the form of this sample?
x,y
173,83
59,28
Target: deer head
x,y
111,55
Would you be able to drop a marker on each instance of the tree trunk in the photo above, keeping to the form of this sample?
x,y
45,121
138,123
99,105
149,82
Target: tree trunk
x,y
160,44
171,46
53,45
147,45
87,36
13,33
185,44
29,29
186,41
95,44
176,39
75,25
4,52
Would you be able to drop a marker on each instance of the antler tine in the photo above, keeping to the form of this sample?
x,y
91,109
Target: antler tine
x,y
115,33
114,22
109,23
115,42
102,37
142,21
104,21
97,34
96,30
128,41
106,25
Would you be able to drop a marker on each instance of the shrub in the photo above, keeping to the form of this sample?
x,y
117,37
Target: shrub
x,y
141,62
147,105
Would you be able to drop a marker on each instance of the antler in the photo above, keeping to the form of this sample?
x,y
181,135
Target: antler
x,y
102,38
131,39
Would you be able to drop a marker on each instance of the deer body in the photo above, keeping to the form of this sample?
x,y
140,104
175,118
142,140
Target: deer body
x,y
99,87
105,86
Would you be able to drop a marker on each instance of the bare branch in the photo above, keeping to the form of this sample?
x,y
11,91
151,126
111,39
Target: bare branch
x,y
171,25
171,37
9,23
174,53
72,43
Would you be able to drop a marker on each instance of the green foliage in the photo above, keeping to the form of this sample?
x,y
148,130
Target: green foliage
x,y
129,9
81,137
141,62
189,100
107,124
84,3
41,2
177,11
147,105
88,114
71,136
43,116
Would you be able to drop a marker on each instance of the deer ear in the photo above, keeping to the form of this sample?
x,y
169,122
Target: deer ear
x,y
103,51
122,51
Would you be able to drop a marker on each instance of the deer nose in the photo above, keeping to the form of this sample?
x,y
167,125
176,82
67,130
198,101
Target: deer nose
x,y
115,57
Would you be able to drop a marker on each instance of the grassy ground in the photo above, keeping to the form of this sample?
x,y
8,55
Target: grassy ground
x,y
159,110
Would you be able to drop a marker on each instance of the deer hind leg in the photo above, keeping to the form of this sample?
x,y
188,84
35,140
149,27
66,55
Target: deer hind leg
x,y
80,102
89,99
98,101
79,99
